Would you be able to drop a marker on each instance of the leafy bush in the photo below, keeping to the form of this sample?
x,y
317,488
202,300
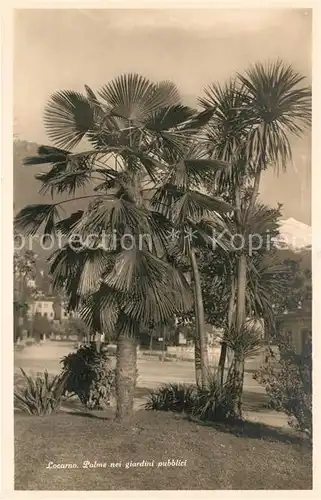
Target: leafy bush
x,y
215,402
288,383
174,397
88,375
210,403
42,395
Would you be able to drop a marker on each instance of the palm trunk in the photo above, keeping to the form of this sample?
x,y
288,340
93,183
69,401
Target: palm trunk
x,y
151,340
237,373
163,342
126,375
241,292
201,353
236,385
21,308
222,360
198,361
238,369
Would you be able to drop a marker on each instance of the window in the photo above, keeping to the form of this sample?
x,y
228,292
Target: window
x,y
45,315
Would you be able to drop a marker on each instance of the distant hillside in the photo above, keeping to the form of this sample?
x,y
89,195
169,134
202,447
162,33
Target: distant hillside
x,y
26,186
26,189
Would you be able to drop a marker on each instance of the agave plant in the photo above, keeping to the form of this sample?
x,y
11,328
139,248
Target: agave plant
x,y
214,402
175,397
41,395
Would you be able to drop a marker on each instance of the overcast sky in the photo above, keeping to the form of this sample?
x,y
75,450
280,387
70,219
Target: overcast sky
x,y
65,49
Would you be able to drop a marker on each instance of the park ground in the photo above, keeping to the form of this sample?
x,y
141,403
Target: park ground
x,y
153,373
262,453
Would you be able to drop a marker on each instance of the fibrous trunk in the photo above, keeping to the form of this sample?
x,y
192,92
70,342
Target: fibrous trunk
x,y
236,373
236,386
126,374
223,354
201,352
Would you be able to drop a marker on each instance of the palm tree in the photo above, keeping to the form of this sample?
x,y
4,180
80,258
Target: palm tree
x,y
123,282
254,116
218,270
195,215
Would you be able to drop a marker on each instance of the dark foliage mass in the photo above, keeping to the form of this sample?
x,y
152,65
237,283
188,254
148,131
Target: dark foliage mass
x,y
288,383
211,403
88,375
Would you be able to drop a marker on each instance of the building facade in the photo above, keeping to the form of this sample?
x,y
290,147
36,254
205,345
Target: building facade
x,y
297,324
51,308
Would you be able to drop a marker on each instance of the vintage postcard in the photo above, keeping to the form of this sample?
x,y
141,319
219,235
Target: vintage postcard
x,y
161,334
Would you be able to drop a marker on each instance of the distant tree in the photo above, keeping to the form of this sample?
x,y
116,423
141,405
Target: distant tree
x,y
76,326
24,270
296,286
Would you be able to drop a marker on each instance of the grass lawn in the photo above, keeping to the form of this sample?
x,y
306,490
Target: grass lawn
x,y
249,457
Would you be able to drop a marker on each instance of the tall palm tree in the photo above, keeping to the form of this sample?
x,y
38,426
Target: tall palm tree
x,y
117,279
195,215
254,116
218,270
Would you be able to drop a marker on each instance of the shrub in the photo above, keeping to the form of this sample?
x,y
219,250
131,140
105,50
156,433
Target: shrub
x,y
172,397
89,377
214,402
41,395
211,403
288,383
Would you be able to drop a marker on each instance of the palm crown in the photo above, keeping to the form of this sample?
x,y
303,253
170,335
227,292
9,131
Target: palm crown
x,y
146,170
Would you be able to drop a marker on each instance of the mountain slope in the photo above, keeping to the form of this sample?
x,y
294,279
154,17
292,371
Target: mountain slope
x,y
26,186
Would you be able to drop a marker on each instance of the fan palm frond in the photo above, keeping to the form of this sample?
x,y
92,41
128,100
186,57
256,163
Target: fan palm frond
x,y
100,310
31,218
95,264
59,181
167,94
47,155
196,205
152,289
195,172
168,118
131,97
68,117
199,120
66,226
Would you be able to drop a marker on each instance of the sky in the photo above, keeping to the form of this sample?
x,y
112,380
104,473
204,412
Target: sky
x,y
65,49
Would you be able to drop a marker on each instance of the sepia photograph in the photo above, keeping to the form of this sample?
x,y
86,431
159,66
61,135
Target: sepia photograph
x,y
162,241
